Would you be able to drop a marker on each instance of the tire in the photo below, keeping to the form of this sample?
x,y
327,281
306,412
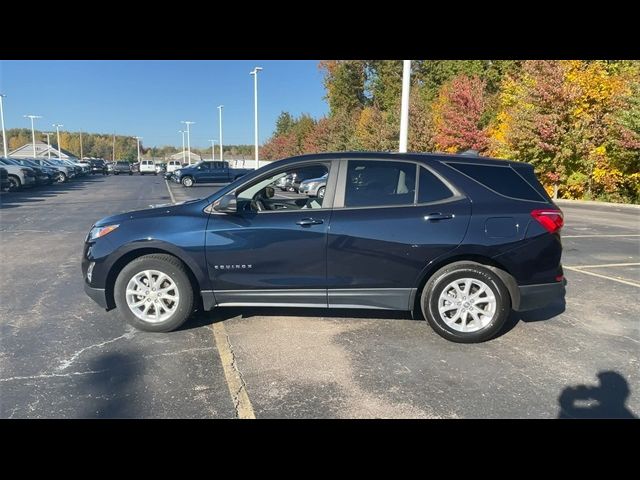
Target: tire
x,y
321,191
476,329
130,173
156,174
187,181
14,183
116,173
141,174
177,273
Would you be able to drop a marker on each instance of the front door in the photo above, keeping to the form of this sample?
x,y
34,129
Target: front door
x,y
273,250
390,219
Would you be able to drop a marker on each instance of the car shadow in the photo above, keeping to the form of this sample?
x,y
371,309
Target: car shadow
x,y
606,400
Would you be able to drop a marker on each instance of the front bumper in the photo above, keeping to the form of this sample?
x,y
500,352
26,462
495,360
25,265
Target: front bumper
x,y
98,295
533,297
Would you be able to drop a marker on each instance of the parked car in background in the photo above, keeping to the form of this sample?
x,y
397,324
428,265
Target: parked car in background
x,y
135,167
4,179
173,165
307,173
161,168
393,231
76,168
148,166
63,172
19,175
110,167
122,166
42,176
98,166
314,187
50,170
209,172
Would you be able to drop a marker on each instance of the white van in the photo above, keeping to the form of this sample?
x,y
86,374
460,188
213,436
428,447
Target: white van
x,y
173,165
147,166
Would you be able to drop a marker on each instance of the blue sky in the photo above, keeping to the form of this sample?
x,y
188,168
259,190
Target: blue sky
x,y
150,98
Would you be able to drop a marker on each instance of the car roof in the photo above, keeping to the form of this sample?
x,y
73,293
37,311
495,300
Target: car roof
x,y
419,157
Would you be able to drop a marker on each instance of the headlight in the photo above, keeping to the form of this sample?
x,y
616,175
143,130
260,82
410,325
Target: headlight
x,y
97,232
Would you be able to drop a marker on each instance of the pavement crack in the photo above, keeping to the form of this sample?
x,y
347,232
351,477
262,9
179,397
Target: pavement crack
x,y
67,363
242,387
50,375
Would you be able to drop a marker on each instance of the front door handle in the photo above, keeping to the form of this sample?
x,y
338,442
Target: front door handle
x,y
439,216
305,222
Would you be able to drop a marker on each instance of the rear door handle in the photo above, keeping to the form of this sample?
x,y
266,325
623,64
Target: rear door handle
x,y
305,222
439,216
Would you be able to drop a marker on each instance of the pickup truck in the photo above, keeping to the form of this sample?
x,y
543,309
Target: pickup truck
x,y
208,172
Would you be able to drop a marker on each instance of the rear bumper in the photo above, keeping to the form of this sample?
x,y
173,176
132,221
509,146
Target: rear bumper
x,y
98,295
533,297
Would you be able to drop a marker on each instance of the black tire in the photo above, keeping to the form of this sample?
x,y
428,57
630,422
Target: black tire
x,y
116,173
156,174
459,270
14,183
141,174
130,173
187,181
164,263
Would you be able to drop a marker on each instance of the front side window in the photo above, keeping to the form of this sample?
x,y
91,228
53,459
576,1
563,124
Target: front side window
x,y
380,183
285,190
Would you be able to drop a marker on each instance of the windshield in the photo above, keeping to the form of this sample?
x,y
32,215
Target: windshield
x,y
9,161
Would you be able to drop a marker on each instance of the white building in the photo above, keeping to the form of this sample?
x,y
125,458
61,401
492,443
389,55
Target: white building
x,y
195,158
42,151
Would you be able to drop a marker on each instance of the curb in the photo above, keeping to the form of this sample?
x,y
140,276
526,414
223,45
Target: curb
x,y
630,206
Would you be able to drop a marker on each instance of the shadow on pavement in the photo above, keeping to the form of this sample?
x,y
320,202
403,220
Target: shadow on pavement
x,y
111,390
607,400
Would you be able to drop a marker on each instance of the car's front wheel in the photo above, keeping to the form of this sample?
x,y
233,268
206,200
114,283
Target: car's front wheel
x,y
153,293
14,183
187,181
321,191
466,302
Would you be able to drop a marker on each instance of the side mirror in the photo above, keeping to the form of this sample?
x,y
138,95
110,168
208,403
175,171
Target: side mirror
x,y
227,204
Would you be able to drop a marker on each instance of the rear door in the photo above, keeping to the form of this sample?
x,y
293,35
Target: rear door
x,y
391,218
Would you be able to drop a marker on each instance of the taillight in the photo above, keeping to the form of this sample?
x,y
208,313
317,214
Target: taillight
x,y
551,220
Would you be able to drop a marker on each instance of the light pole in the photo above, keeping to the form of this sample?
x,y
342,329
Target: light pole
x,y
48,134
187,123
220,107
255,111
58,125
183,153
404,110
4,134
138,140
33,133
213,150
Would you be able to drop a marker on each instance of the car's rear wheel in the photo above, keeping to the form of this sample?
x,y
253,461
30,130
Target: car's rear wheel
x,y
466,302
187,181
321,192
153,293
14,183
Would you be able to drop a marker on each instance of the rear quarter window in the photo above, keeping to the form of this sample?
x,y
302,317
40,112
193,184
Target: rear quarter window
x,y
503,180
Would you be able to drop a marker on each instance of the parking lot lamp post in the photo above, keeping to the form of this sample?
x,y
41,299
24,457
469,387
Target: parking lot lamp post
x,y
188,123
255,111
48,134
213,150
4,134
184,158
138,142
58,125
220,107
33,132
404,110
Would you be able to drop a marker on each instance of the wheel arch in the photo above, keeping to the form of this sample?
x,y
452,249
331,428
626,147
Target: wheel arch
x,y
496,267
129,256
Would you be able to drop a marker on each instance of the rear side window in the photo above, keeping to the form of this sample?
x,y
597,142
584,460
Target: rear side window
x,y
430,188
379,184
503,180
529,175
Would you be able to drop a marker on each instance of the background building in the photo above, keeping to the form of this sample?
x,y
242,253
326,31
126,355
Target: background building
x,y
42,151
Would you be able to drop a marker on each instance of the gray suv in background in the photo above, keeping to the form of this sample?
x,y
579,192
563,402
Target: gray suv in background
x,y
122,167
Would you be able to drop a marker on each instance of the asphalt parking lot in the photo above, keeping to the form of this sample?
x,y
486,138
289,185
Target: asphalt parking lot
x,y
62,356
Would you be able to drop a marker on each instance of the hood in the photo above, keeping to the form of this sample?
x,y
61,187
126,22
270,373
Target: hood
x,y
157,210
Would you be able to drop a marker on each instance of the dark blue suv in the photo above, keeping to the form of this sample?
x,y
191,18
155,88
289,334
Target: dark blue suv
x,y
462,239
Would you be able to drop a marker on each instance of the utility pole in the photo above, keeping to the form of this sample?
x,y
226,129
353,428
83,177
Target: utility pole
x,y
113,148
4,134
213,150
33,133
404,110
183,154
58,125
255,111
138,142
48,134
81,153
220,107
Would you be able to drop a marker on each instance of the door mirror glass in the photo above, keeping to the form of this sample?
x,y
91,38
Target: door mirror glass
x,y
227,204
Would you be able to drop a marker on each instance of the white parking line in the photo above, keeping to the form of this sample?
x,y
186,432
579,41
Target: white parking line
x,y
602,235
606,265
574,269
173,200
